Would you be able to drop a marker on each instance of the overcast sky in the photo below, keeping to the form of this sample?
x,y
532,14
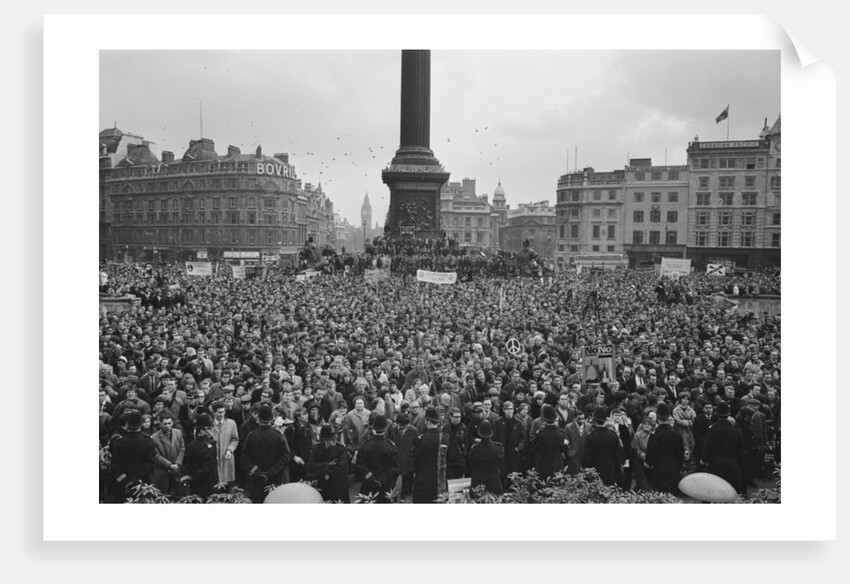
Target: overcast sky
x,y
514,116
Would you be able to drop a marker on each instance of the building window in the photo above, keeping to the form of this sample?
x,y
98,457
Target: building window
x,y
775,240
726,199
724,218
480,222
703,217
233,183
596,232
749,182
778,163
750,163
703,182
467,236
574,213
654,237
252,237
672,197
727,182
468,221
576,196
611,231
563,229
163,205
232,203
672,216
252,217
573,248
702,238
597,213
655,216
637,237
612,213
595,248
574,231
638,197
776,219
704,163
560,247
480,236
671,237
727,163
656,175
597,195
748,239
175,204
673,175
610,248
749,199
748,219
724,239
216,203
639,176
612,195
655,197
233,217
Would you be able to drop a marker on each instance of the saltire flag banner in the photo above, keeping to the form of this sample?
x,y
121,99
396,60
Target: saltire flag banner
x,y
723,115
715,270
436,277
198,269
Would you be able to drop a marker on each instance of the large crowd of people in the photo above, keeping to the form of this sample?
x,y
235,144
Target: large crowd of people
x,y
211,382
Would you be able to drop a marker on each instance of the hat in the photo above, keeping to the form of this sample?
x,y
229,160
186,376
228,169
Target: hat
x,y
723,410
327,432
245,398
402,418
265,414
134,420
663,412
478,407
203,421
380,423
548,413
485,429
431,414
600,414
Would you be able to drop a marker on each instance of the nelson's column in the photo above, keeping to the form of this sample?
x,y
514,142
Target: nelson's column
x,y
414,176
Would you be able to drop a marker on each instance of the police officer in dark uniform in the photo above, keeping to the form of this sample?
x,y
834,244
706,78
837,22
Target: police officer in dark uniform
x,y
485,460
329,465
133,457
723,451
378,462
547,445
265,456
425,456
602,449
665,454
200,465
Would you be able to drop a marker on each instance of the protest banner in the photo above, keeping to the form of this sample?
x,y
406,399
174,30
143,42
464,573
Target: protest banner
x,y
376,275
436,277
198,269
715,270
238,272
675,267
597,362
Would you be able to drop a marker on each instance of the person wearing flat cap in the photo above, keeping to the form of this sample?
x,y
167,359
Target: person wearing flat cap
x,y
602,449
485,460
425,456
200,464
265,457
723,450
378,462
547,445
133,457
665,453
328,465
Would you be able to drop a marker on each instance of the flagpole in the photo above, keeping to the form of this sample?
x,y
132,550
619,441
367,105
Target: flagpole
x,y
727,126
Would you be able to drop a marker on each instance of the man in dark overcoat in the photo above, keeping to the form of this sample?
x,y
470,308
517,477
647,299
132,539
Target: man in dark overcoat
x,y
378,462
425,455
133,457
265,456
665,454
200,465
486,460
329,465
602,449
510,433
547,445
723,451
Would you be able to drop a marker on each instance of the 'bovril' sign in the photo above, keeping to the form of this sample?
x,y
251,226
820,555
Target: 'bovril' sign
x,y
275,169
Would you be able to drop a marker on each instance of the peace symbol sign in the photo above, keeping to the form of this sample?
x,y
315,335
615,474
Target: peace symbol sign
x,y
513,346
